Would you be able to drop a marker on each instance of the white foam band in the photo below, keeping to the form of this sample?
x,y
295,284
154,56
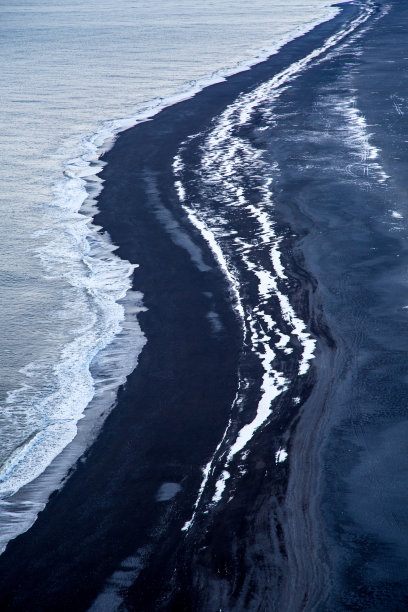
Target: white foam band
x,y
232,170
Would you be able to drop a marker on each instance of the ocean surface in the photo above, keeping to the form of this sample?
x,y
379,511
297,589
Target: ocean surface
x,y
255,307
73,75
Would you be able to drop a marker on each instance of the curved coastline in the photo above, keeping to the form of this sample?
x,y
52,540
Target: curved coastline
x,y
108,510
93,257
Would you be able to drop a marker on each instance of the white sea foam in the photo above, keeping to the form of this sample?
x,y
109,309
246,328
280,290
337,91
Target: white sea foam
x,y
281,455
106,373
48,415
222,260
220,485
358,138
102,351
77,252
231,164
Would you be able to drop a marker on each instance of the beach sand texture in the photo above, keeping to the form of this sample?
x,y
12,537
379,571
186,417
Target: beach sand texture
x,y
267,216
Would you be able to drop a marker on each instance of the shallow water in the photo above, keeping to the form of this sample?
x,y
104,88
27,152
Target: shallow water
x,y
298,188
72,76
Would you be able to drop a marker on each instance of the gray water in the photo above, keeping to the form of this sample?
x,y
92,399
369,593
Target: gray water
x,y
73,75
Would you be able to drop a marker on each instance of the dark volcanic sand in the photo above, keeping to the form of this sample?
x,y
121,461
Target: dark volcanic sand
x,y
326,529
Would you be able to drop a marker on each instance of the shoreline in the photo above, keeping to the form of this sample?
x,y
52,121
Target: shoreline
x,y
167,393
36,492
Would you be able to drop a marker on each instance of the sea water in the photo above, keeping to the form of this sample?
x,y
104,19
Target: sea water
x,y
73,75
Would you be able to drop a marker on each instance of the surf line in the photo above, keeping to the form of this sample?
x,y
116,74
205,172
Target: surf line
x,y
274,384
238,114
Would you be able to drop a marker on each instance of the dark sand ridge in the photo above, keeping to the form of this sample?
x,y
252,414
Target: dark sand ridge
x,y
172,412
350,550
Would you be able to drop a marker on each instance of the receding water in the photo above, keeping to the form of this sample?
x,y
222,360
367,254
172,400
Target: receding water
x,y
73,74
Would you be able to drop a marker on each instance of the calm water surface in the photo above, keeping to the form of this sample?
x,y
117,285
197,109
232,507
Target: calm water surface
x,y
72,75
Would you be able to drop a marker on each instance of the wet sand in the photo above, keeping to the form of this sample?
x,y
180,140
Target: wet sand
x,y
281,542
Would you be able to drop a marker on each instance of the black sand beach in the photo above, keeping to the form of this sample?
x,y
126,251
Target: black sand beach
x,y
325,529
